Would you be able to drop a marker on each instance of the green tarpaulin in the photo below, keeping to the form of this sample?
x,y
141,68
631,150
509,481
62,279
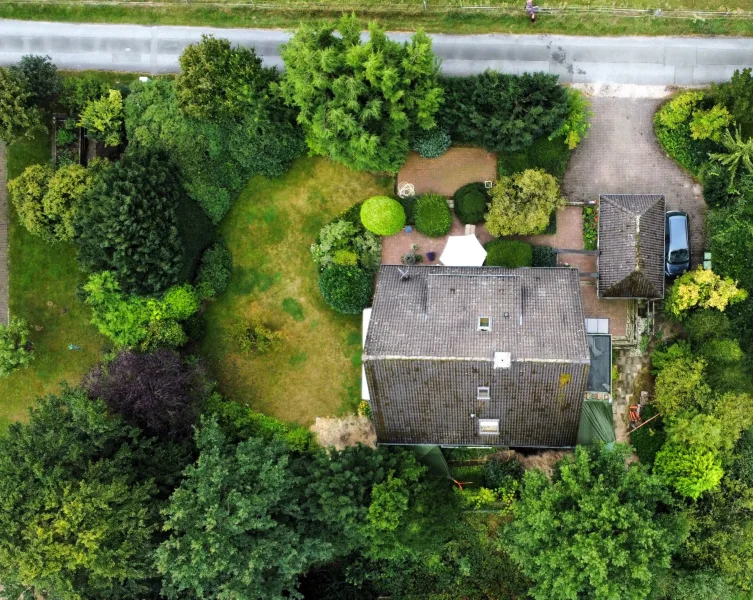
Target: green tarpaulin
x,y
431,456
596,422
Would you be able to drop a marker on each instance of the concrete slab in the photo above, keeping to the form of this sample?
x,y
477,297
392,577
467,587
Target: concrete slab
x,y
680,56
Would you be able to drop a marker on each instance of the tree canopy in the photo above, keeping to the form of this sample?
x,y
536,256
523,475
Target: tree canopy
x,y
522,204
19,116
78,513
596,530
215,159
128,223
358,101
217,81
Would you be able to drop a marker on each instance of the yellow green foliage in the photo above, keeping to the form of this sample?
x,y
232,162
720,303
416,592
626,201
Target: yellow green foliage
x,y
702,288
678,110
709,124
523,203
103,118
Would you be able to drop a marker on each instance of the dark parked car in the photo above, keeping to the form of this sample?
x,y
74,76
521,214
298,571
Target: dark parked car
x,y
677,243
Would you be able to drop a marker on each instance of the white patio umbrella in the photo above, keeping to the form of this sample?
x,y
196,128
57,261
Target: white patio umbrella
x,y
463,251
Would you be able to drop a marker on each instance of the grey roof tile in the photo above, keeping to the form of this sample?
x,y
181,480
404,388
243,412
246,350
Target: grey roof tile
x,y
631,246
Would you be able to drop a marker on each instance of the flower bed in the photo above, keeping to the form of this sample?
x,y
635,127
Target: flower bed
x,y
590,227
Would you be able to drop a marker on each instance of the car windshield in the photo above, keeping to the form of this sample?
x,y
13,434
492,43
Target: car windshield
x,y
678,256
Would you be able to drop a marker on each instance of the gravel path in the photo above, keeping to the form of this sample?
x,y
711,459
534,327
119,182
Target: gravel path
x,y
622,156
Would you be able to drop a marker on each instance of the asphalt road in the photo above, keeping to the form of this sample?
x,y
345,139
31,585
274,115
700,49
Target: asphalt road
x,y
625,60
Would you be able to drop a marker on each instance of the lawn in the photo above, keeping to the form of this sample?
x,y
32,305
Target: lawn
x,y
396,16
316,370
43,280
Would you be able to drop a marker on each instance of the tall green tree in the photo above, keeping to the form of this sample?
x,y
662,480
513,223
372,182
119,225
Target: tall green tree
x,y
359,100
236,525
215,159
218,81
598,529
79,511
128,224
18,114
42,78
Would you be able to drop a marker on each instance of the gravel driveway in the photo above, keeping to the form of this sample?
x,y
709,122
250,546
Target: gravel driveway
x,y
621,156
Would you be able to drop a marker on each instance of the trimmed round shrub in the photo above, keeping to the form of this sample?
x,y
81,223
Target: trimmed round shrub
x,y
508,253
543,256
432,143
470,203
346,289
214,272
382,215
432,215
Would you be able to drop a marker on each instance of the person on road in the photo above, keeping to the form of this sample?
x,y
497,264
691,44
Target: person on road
x,y
531,10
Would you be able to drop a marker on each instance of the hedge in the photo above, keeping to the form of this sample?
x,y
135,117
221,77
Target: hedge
x,y
543,256
470,203
508,253
550,155
433,143
432,215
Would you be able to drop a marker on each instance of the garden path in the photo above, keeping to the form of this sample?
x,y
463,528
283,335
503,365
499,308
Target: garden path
x,y
448,173
622,156
4,311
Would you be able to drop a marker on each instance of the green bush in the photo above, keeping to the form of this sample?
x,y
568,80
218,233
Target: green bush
x,y
649,439
543,256
382,215
672,128
79,91
502,112
239,422
716,191
346,289
42,79
523,204
18,115
214,272
15,347
344,239
550,155
215,158
743,466
135,321
409,206
432,215
508,253
433,143
497,472
705,325
470,203
103,118
576,126
254,335
737,95
127,222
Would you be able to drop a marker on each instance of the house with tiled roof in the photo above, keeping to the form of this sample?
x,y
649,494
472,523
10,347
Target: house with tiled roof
x,y
631,246
478,356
